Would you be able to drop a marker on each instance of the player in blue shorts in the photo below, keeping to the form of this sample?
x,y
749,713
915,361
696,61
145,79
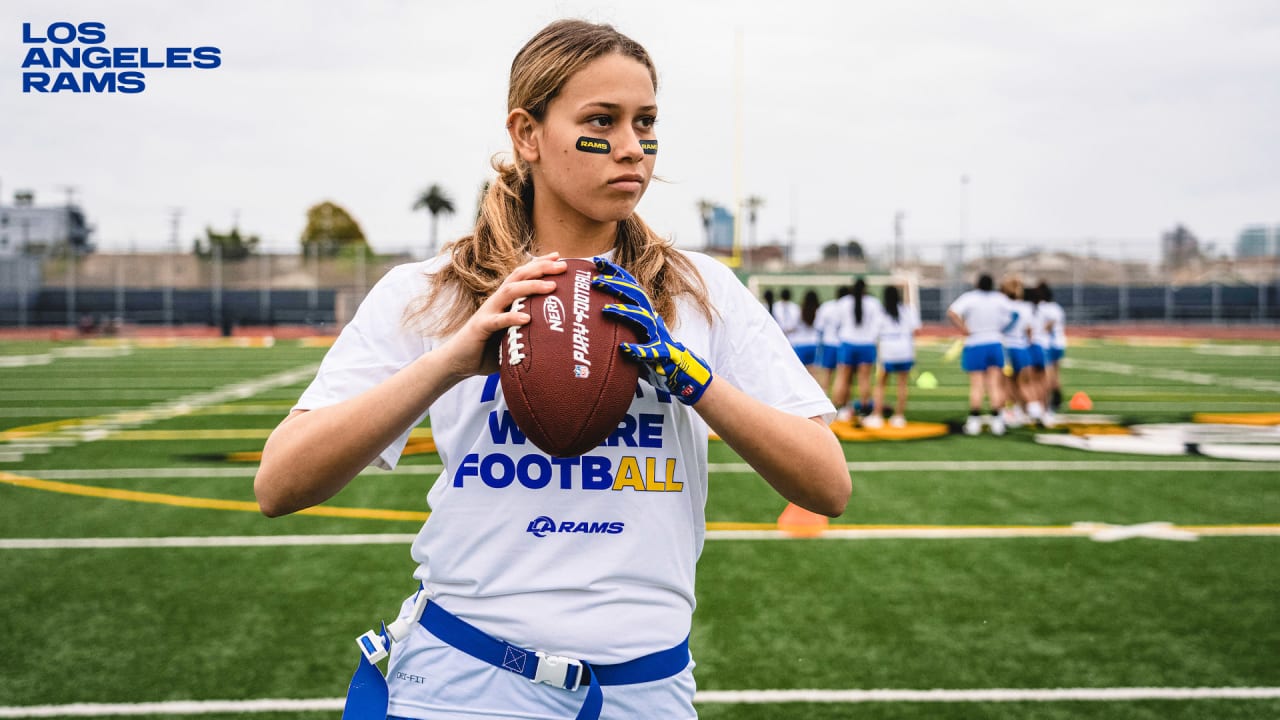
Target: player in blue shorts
x,y
577,573
859,325
1023,387
981,315
1054,319
827,323
804,336
897,356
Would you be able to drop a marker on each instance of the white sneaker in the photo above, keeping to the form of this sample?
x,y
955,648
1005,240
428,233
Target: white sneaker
x,y
1049,420
1035,411
873,421
1013,417
897,421
845,415
973,425
997,426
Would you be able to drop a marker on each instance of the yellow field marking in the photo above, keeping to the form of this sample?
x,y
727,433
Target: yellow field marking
x,y
1237,418
67,488
913,431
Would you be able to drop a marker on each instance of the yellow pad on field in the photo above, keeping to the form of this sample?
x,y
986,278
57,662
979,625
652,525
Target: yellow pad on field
x,y
849,432
1237,418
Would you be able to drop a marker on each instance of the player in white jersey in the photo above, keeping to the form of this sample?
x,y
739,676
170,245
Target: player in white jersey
x,y
827,323
982,314
577,573
786,312
859,317
1055,323
1039,348
1023,386
804,336
897,350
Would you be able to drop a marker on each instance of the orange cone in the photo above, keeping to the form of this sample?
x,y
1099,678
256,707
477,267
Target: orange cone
x,y
1080,401
797,521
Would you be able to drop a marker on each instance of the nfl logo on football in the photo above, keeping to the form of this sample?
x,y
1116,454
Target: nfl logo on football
x,y
581,371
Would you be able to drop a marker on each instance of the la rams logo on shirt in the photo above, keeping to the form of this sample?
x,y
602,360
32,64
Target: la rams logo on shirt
x,y
542,526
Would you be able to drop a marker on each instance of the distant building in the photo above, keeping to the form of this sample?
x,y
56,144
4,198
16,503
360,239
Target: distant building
x,y
1258,241
720,235
29,230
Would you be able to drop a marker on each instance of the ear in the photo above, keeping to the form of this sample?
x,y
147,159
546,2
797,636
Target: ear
x,y
526,134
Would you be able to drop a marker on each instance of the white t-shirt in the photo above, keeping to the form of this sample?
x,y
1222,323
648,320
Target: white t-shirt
x,y
1039,331
1052,313
1015,333
787,313
864,333
985,313
897,337
590,557
826,323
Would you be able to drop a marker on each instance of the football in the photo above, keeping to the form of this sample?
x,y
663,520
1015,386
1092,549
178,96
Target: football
x,y
566,383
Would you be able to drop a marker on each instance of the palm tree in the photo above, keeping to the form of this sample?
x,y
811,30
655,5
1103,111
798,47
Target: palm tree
x,y
751,205
436,201
706,209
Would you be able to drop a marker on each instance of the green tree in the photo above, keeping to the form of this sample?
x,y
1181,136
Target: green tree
x,y
231,246
331,229
437,202
752,205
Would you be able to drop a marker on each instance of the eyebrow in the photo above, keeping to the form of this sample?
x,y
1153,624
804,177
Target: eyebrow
x,y
614,107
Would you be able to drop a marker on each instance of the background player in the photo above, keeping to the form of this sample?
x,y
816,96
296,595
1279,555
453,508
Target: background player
x,y
897,350
981,315
859,317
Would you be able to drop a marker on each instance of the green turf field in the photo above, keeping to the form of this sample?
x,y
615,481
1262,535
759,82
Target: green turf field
x,y
103,442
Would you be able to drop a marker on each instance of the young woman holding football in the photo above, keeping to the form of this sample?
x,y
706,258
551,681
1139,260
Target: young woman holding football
x,y
599,620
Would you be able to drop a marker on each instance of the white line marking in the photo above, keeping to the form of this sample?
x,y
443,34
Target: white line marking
x,y
731,697
1021,466
1184,376
1028,467
1164,531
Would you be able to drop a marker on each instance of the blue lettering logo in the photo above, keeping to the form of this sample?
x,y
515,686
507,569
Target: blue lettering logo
x,y
542,526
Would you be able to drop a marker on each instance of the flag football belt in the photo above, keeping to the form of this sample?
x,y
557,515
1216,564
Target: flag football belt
x,y
368,696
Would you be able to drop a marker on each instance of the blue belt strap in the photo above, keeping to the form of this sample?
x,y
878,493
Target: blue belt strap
x,y
367,697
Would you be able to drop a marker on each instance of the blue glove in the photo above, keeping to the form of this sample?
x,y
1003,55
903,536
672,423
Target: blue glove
x,y
670,364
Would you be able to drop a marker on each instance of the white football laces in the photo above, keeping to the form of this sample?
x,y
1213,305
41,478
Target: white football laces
x,y
515,346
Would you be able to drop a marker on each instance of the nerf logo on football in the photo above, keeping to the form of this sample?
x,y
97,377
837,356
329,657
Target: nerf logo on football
x,y
553,313
542,526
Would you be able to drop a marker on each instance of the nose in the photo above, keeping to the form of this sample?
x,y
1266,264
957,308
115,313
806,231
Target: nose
x,y
628,146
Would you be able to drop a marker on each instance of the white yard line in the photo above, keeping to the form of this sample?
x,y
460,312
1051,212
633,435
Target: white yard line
x,y
1092,530
1183,376
704,697
884,466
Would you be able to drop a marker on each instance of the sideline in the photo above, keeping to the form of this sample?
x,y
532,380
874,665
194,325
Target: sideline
x,y
706,697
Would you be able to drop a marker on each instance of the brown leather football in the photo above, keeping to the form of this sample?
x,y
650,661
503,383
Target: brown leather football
x,y
566,383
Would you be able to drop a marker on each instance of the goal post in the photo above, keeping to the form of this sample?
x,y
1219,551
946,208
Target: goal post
x,y
827,283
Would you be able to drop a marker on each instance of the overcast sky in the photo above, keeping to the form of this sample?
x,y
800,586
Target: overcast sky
x,y
1103,121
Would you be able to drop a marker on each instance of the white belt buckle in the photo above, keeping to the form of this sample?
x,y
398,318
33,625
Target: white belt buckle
x,y
554,670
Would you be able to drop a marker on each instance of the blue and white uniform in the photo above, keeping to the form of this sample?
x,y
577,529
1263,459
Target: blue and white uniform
x,y
1016,335
1055,318
858,339
828,327
897,339
804,340
1040,337
590,557
985,314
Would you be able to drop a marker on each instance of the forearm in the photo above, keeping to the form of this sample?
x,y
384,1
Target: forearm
x,y
958,322
314,454
798,456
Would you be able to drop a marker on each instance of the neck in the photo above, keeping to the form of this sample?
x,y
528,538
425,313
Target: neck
x,y
574,240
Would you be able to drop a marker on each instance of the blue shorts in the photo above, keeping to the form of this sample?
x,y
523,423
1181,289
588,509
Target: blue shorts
x,y
1055,355
1037,357
808,354
1019,358
904,366
828,356
856,355
977,358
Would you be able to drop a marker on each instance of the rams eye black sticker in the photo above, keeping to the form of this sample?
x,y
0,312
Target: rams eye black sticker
x,y
593,145
650,147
